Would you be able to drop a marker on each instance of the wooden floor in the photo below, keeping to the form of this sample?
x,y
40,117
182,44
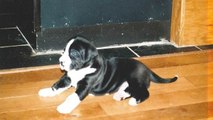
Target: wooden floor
x,y
189,98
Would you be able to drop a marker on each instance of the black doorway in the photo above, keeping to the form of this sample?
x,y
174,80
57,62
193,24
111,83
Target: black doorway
x,y
17,23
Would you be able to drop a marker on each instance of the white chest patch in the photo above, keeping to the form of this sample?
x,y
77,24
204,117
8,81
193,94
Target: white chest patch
x,y
77,75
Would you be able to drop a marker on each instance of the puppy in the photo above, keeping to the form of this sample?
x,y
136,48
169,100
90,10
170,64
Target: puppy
x,y
90,73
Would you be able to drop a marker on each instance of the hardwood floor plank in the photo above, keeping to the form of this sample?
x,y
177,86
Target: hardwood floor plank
x,y
94,112
201,80
30,76
177,59
161,101
189,98
28,102
180,85
206,118
32,91
186,70
110,106
30,69
185,112
17,90
49,113
177,92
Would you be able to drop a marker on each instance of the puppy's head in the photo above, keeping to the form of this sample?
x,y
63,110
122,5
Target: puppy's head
x,y
78,53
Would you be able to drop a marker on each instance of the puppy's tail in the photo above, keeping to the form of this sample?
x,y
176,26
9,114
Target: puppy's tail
x,y
157,79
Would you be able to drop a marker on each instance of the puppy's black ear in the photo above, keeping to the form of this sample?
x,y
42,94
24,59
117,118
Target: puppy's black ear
x,y
76,59
82,53
90,50
90,54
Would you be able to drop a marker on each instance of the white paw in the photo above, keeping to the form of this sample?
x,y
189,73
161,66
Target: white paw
x,y
46,92
117,97
120,95
64,108
132,102
69,104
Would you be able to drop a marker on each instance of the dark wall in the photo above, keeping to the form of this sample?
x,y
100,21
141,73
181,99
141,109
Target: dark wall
x,y
7,13
19,13
104,22
72,13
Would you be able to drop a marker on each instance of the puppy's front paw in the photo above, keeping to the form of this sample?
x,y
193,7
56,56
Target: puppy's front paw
x,y
69,104
64,108
46,92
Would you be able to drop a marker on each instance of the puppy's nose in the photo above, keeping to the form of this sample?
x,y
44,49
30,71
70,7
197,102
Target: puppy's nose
x,y
61,63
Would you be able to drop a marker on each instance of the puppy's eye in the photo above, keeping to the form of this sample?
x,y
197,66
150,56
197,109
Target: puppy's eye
x,y
75,54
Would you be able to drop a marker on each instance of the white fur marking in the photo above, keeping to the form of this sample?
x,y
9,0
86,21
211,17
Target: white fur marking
x,y
77,75
65,59
69,104
121,94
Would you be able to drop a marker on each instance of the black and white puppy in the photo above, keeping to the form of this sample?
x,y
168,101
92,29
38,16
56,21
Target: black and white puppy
x,y
90,73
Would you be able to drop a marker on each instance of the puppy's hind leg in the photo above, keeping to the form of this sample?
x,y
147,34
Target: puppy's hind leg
x,y
121,94
60,86
138,95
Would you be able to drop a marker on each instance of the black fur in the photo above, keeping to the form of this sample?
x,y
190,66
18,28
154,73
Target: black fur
x,y
110,73
63,82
